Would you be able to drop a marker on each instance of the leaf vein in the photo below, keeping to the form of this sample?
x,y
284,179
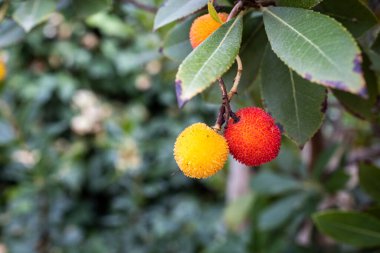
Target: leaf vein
x,y
213,53
295,102
305,38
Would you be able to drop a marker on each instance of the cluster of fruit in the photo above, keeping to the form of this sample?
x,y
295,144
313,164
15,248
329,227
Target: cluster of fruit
x,y
252,137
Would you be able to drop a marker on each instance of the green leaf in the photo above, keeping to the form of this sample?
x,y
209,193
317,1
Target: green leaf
x,y
376,45
336,181
85,8
238,210
372,48
127,62
33,12
209,61
294,102
275,215
111,25
374,211
7,134
10,33
326,54
353,14
363,108
323,160
251,52
173,10
269,183
177,42
358,229
369,177
306,4
213,13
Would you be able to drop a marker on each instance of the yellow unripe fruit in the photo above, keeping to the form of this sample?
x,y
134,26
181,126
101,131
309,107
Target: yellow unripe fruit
x,y
200,152
3,70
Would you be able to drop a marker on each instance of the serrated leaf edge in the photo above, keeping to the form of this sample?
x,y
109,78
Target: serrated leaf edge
x,y
161,24
228,66
299,145
363,86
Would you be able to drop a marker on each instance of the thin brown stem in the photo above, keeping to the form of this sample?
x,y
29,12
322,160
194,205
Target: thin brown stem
x,y
239,72
225,111
226,101
220,120
235,10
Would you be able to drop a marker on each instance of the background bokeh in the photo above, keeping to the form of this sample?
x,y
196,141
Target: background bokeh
x,y
88,119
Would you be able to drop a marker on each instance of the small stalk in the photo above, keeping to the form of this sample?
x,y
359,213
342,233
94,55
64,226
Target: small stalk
x,y
239,72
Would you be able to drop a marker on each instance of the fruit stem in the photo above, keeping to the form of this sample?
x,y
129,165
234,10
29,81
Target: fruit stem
x,y
226,101
234,117
239,72
220,120
225,111
235,10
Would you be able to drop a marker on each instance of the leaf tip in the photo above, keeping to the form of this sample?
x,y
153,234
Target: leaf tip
x,y
363,92
358,64
308,76
281,127
178,90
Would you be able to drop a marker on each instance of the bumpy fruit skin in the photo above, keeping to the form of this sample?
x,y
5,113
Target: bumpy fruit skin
x,y
203,27
200,152
255,139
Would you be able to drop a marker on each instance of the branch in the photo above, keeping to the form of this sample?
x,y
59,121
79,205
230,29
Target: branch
x,y
235,11
234,88
220,120
142,6
225,111
223,115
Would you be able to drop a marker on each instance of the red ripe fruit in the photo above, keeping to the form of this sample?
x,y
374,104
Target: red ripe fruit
x,y
255,139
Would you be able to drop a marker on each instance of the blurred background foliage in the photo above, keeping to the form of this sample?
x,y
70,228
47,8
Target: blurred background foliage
x,y
88,118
